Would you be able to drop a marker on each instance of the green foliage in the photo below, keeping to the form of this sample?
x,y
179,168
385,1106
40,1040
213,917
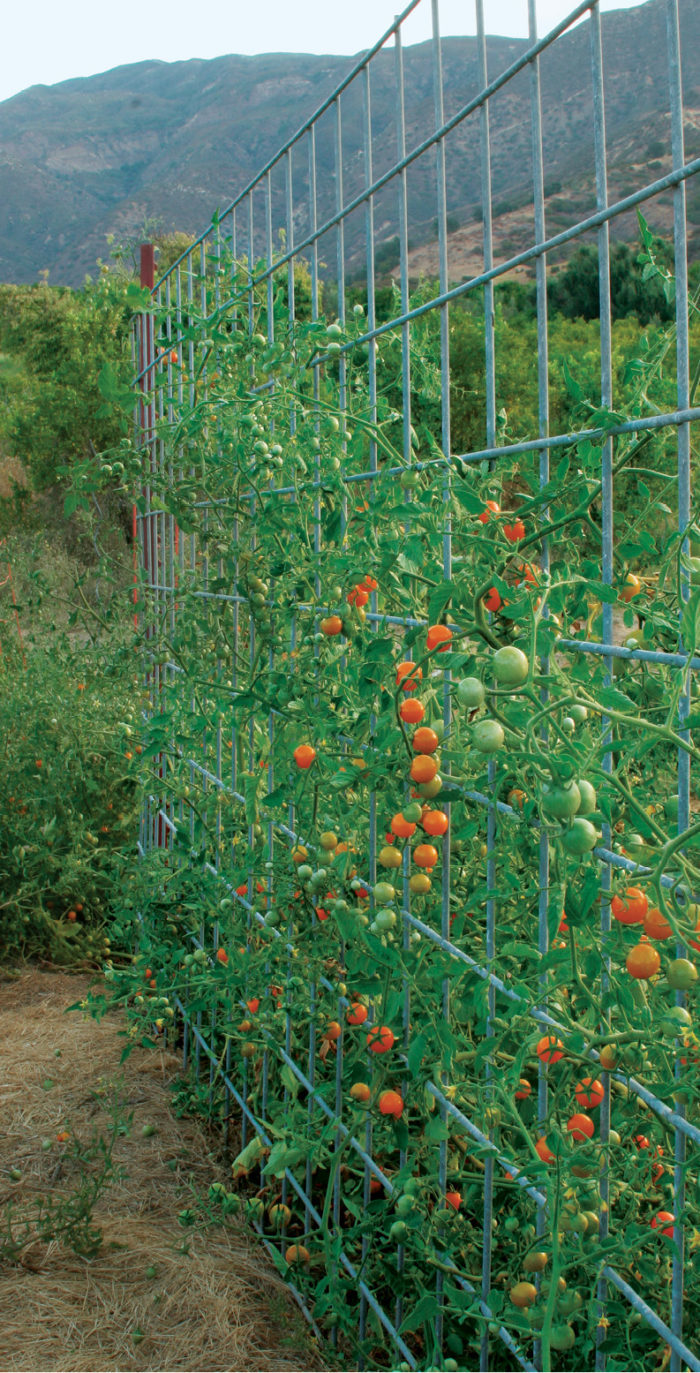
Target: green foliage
x,y
68,802
267,928
53,343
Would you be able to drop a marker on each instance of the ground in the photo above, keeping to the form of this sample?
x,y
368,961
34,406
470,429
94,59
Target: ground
x,y
142,1302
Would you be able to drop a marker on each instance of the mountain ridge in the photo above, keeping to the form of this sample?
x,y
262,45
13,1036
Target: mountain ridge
x,y
101,155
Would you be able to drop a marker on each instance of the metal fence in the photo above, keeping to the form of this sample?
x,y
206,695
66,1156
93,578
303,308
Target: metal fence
x,y
333,226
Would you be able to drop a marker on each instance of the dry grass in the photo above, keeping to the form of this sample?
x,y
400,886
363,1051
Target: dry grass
x,y
219,1306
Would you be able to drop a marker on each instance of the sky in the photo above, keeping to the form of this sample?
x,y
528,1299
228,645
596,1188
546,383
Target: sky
x,y
54,40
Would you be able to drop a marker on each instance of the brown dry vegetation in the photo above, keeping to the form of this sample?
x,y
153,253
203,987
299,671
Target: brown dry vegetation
x,y
218,1306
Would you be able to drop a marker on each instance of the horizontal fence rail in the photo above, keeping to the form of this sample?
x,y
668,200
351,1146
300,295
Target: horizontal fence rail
x,y
319,445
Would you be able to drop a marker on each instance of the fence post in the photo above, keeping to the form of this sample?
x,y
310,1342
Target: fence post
x,y
149,529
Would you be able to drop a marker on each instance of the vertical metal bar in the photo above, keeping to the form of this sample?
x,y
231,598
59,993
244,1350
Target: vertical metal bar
x,y
490,364
606,390
684,515
543,430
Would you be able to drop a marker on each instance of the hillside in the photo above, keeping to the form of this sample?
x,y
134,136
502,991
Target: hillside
x,y
172,142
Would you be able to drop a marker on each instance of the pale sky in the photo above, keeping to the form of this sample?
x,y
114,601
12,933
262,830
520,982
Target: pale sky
x,y
46,41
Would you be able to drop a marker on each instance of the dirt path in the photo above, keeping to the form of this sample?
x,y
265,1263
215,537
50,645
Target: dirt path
x,y
142,1302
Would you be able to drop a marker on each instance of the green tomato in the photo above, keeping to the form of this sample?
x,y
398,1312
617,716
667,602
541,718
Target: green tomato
x,y
488,736
439,728
675,1020
398,1232
580,838
578,714
408,480
561,801
681,974
383,893
385,919
563,1337
412,812
510,666
589,800
471,692
405,1205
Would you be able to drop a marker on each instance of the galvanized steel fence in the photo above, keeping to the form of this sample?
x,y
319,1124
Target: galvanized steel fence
x,y
235,275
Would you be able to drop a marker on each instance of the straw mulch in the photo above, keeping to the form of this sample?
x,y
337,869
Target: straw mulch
x,y
220,1306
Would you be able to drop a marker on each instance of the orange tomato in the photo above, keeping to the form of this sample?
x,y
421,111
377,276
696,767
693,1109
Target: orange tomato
x,y
222,956
580,1126
656,925
643,961
439,634
664,1221
589,1092
523,1089
492,600
333,1031
453,1200
425,855
425,740
297,1253
390,1104
435,822
401,827
380,1039
631,909
358,596
304,756
332,625
423,768
515,531
631,588
549,1049
408,675
412,710
356,1014
493,506
542,1148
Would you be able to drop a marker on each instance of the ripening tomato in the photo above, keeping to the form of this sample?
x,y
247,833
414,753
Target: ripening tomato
x,y
419,883
492,600
523,1089
425,855
402,827
425,740
439,634
542,1148
423,768
304,756
390,1104
331,625
631,588
580,1126
523,1294
408,676
631,909
380,1039
360,1091
435,822
656,925
515,531
412,710
549,1049
589,1092
643,961
664,1221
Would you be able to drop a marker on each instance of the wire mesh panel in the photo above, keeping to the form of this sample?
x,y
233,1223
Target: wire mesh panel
x,y
419,605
